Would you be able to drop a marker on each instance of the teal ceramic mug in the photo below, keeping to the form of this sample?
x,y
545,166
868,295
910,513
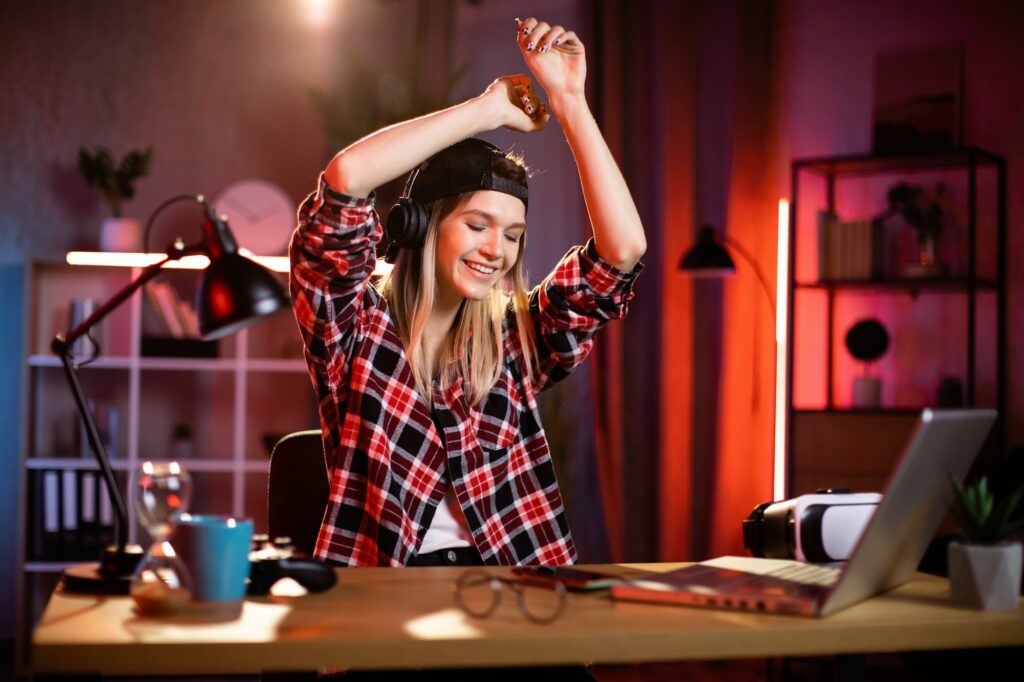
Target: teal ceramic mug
x,y
215,550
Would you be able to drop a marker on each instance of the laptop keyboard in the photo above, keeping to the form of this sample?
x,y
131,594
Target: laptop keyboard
x,y
808,574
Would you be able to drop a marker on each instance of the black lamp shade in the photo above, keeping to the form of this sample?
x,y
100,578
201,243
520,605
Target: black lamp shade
x,y
707,258
236,292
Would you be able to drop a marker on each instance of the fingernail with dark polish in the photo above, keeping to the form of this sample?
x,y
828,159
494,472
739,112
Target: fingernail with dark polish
x,y
529,46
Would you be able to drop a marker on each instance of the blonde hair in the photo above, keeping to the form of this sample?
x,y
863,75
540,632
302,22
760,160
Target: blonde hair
x,y
474,349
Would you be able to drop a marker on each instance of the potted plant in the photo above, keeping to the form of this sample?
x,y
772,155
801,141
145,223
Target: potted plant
x,y
115,183
985,569
181,441
867,341
924,211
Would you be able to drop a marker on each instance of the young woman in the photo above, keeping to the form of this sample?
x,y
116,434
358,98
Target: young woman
x,y
427,379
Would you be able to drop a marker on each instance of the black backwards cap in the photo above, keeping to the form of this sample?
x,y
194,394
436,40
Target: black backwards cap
x,y
465,166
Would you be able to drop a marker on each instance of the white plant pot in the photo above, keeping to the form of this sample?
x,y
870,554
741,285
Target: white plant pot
x,y
867,392
120,234
182,448
985,577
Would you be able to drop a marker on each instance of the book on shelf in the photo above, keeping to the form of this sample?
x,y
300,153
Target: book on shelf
x,y
848,250
107,418
48,536
69,512
152,318
188,318
89,519
165,301
71,515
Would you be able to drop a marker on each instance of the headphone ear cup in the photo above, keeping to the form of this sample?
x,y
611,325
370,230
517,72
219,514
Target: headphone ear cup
x,y
407,223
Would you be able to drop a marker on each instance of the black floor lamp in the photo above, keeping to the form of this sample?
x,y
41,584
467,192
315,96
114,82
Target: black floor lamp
x,y
710,258
234,292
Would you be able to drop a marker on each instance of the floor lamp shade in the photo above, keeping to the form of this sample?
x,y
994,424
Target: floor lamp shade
x,y
707,258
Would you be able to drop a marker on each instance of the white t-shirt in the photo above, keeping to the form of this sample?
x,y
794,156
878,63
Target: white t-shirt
x,y
448,528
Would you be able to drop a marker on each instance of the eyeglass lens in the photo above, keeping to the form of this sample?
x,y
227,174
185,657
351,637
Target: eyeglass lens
x,y
479,594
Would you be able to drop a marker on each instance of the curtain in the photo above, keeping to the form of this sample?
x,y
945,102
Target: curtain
x,y
685,446
641,62
744,461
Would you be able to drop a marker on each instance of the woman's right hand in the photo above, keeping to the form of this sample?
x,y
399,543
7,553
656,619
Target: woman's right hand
x,y
516,104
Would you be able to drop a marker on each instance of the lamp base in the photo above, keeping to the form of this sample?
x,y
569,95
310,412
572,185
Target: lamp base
x,y
113,575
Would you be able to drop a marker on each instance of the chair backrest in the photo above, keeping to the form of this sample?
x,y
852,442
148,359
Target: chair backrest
x,y
298,489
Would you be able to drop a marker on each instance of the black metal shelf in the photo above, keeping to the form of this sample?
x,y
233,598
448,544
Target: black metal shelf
x,y
912,286
861,411
868,164
975,288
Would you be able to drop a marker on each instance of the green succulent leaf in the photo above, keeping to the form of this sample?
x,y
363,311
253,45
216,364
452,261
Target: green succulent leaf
x,y
984,518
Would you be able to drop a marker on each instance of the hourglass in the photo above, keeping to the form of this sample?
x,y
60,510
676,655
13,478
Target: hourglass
x,y
161,492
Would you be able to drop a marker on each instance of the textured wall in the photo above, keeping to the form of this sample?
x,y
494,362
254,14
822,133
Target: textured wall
x,y
220,89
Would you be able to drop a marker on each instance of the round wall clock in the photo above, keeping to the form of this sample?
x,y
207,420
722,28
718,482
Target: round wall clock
x,y
260,214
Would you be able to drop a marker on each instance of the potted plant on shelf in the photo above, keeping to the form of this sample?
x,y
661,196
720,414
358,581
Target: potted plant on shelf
x,y
181,441
985,569
115,183
925,211
867,341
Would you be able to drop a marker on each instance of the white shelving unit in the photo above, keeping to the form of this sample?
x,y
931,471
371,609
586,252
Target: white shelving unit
x,y
237,404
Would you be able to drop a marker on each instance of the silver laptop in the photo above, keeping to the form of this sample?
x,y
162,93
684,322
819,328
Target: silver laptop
x,y
916,498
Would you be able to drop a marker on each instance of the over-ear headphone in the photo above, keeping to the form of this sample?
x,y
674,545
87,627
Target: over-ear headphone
x,y
466,166
408,219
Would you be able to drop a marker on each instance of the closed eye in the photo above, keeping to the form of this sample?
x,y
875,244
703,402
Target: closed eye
x,y
514,238
476,228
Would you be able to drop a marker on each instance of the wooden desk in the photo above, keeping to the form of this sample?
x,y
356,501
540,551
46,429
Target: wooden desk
x,y
400,618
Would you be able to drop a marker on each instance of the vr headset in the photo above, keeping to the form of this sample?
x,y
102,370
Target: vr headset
x,y
821,527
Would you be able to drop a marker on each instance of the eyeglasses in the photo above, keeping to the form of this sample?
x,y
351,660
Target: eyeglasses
x,y
478,593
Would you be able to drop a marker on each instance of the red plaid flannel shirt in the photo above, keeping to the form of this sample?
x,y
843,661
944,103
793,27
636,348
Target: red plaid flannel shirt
x,y
383,440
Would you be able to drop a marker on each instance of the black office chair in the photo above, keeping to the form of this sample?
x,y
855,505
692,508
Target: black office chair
x,y
298,489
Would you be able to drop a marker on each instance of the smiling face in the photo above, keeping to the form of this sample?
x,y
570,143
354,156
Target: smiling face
x,y
477,244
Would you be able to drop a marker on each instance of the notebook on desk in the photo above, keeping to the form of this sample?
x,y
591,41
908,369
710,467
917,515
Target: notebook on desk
x,y
917,495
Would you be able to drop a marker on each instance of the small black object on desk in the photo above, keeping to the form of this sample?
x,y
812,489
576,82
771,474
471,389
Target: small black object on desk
x,y
271,561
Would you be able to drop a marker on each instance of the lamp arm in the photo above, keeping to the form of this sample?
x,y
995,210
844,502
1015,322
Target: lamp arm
x,y
733,244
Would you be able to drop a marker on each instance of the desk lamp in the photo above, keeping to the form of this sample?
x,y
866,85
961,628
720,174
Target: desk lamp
x,y
234,293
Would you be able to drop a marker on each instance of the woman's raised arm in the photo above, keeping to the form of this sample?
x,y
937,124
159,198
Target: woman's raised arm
x,y
388,153
557,60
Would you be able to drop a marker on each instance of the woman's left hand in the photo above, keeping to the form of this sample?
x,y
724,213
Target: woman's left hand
x,y
555,56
